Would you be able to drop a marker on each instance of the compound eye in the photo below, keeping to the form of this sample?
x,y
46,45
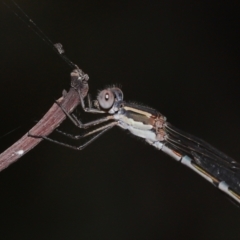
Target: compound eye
x,y
105,99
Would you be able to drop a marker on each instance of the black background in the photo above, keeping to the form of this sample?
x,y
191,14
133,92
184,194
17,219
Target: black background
x,y
180,57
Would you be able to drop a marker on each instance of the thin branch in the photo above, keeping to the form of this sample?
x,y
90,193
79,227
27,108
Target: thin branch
x,y
50,121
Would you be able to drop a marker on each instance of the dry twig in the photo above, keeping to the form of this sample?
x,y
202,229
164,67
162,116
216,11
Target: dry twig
x,y
50,121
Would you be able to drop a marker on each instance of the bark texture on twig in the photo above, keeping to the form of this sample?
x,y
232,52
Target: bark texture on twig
x,y
50,121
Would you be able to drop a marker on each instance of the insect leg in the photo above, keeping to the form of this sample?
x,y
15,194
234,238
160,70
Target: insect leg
x,y
79,124
77,137
82,146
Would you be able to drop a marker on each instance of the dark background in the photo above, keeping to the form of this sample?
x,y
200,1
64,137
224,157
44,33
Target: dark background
x,y
180,57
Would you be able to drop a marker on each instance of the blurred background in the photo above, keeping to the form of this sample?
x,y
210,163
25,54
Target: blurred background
x,y
180,57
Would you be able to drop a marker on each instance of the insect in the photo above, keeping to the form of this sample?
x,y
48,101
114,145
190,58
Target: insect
x,y
150,125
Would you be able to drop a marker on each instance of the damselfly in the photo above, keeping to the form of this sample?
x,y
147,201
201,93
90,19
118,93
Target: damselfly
x,y
150,125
